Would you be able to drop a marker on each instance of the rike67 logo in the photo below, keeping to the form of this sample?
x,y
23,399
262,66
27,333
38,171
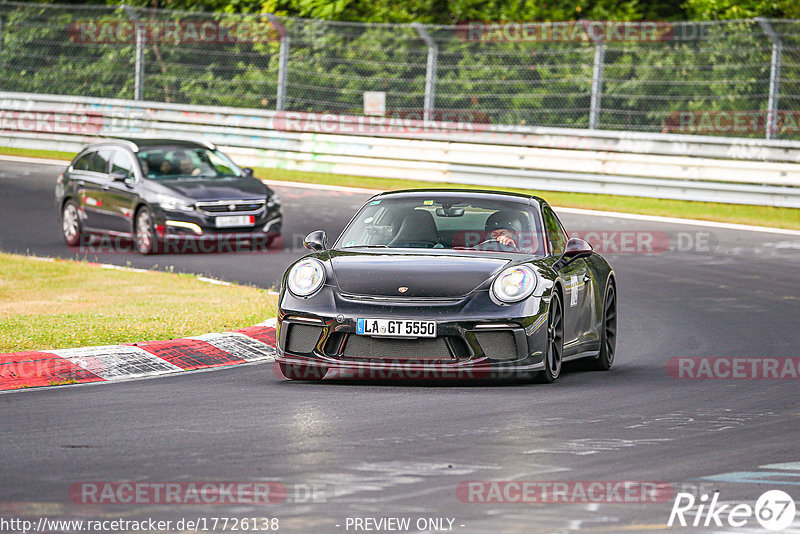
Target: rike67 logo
x,y
774,510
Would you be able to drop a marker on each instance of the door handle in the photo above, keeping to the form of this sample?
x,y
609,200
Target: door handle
x,y
586,277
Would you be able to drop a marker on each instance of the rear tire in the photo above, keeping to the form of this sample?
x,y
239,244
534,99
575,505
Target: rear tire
x,y
144,234
71,223
608,331
554,352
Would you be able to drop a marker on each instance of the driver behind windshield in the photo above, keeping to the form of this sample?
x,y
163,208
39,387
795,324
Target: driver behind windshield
x,y
502,228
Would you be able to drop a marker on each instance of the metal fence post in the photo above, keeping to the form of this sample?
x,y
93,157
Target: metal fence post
x,y
283,72
774,77
141,40
138,86
597,83
430,70
283,61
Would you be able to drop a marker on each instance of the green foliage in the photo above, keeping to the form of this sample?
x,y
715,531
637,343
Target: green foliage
x,y
709,67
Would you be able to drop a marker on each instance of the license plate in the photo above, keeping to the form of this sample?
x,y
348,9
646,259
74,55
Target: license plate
x,y
395,328
235,220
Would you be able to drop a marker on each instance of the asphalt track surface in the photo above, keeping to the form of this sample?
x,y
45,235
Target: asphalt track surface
x,y
380,450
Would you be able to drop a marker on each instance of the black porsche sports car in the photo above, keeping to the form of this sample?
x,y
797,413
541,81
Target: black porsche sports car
x,y
447,284
164,193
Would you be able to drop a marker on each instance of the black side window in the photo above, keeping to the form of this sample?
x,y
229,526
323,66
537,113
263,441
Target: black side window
x,y
82,164
99,161
120,162
555,233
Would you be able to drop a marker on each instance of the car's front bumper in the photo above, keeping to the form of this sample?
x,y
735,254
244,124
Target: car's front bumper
x,y
476,338
181,229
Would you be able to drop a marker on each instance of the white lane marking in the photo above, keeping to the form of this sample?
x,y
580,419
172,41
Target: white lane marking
x,y
677,220
788,466
213,281
577,211
272,322
121,268
239,345
323,187
43,161
113,362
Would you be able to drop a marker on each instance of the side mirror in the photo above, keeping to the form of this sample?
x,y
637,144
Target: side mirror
x,y
577,248
247,171
316,241
120,176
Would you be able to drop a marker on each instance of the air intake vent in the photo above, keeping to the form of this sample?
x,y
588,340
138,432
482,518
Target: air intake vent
x,y
369,348
302,338
498,345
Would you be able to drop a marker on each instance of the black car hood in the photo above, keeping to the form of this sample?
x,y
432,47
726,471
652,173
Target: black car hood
x,y
425,274
217,188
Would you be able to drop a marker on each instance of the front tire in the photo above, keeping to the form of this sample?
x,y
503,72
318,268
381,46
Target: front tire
x,y
144,235
554,352
71,223
608,332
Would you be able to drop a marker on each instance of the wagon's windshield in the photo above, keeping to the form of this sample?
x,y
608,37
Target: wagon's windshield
x,y
446,222
165,162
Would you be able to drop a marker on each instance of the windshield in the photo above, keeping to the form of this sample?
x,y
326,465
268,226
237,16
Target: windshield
x,y
185,162
446,222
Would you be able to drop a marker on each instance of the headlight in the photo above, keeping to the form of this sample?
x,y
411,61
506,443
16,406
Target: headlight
x,y
273,200
514,284
173,203
306,277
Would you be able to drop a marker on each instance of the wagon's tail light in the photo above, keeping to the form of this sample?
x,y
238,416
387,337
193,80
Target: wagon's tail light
x,y
306,277
514,284
60,178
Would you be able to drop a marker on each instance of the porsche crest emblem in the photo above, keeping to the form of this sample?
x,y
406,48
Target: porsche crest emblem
x,y
402,289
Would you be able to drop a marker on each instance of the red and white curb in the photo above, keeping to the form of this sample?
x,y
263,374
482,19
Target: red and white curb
x,y
30,369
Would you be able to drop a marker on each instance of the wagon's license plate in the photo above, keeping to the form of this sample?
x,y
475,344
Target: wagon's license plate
x,y
235,220
395,328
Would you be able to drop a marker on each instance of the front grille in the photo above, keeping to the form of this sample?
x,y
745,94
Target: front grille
x,y
498,345
234,206
374,348
302,338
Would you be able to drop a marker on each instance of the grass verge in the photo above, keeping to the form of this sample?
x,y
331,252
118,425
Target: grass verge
x,y
65,304
707,211
33,153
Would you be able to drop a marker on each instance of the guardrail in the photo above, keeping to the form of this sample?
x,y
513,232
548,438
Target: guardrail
x,y
715,169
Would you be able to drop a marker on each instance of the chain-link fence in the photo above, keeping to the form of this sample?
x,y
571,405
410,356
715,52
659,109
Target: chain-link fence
x,y
734,78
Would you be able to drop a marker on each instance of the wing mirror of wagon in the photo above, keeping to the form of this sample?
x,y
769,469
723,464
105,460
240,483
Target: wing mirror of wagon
x,y
316,241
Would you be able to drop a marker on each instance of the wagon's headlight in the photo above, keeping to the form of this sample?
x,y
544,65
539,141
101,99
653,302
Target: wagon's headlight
x,y
168,202
306,277
514,284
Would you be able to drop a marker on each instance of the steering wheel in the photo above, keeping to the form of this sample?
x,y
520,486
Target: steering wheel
x,y
495,245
